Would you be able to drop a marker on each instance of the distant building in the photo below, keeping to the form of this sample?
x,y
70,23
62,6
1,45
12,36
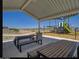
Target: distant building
x,y
5,27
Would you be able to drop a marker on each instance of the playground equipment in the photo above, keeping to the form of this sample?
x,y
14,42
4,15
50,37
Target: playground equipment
x,y
63,27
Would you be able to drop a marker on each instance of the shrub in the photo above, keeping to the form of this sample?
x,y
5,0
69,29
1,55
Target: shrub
x,y
17,30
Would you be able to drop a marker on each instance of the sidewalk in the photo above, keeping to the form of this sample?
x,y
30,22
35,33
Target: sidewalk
x,y
59,38
43,36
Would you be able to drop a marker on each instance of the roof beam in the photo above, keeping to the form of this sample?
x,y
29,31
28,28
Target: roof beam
x,y
28,11
26,4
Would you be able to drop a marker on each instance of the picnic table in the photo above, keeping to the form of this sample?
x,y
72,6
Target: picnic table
x,y
61,48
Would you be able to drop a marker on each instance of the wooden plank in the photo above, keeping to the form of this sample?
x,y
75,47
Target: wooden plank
x,y
61,48
47,49
53,47
53,50
70,50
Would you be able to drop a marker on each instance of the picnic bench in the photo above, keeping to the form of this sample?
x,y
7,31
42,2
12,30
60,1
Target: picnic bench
x,y
61,48
27,39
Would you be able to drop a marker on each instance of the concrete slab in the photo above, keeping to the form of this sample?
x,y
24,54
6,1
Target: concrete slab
x,y
10,50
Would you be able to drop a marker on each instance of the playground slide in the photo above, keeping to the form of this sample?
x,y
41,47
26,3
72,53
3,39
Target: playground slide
x,y
66,27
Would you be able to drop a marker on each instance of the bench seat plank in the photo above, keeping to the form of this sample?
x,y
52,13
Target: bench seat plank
x,y
72,49
53,50
59,52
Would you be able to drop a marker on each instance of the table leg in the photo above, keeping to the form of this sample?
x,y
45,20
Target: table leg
x,y
28,56
20,48
78,51
38,54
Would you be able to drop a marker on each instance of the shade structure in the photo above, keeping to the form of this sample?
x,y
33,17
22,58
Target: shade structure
x,y
44,9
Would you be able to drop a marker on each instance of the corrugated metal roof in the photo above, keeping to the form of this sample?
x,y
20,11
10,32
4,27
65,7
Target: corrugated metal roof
x,y
13,4
44,9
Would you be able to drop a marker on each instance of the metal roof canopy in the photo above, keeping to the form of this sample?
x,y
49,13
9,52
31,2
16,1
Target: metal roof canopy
x,y
44,9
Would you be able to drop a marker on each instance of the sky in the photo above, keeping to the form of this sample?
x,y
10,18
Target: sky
x,y
20,19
